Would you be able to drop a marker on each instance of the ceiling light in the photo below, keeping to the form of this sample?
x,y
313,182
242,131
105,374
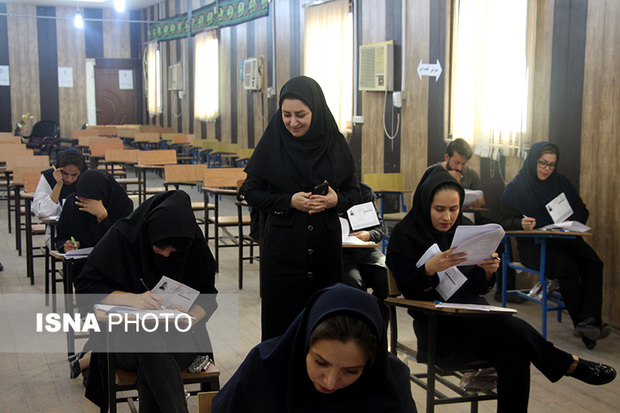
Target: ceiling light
x,y
119,5
78,21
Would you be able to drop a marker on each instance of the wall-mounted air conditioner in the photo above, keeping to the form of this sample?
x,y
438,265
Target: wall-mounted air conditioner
x,y
253,73
175,76
376,67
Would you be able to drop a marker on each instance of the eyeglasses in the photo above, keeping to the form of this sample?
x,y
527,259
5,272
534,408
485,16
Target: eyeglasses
x,y
544,165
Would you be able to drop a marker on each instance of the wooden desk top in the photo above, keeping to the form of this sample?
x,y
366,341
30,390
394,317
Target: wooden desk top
x,y
366,245
431,307
219,191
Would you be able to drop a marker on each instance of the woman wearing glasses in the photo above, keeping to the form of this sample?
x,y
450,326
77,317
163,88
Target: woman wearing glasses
x,y
573,262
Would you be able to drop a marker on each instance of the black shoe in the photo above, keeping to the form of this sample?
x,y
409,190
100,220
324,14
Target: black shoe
x,y
1,267
590,344
591,331
74,368
593,373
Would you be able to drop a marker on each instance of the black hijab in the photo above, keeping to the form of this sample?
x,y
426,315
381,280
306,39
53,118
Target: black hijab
x,y
93,184
274,375
294,164
528,195
415,233
49,173
125,254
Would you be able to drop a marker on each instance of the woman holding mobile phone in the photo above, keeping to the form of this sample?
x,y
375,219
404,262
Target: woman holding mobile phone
x,y
301,149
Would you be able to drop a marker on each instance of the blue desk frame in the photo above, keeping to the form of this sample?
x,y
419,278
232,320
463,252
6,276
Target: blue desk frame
x,y
552,302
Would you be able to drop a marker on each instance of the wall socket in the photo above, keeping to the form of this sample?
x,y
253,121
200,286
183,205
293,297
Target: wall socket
x,y
396,100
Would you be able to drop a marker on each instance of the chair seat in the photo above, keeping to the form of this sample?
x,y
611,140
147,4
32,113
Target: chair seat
x,y
155,190
125,181
200,206
396,216
38,229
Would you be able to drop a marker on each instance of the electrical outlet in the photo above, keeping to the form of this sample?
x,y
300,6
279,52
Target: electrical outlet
x,y
396,100
358,120
271,92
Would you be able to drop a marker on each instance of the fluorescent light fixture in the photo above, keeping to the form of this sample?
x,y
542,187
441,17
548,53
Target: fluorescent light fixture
x,y
119,5
78,21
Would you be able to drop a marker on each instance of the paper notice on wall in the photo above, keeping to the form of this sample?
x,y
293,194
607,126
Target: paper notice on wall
x,y
65,77
4,76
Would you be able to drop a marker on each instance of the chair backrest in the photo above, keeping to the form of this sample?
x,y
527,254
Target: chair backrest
x,y
205,400
183,138
125,132
122,155
41,162
155,128
146,137
9,151
392,287
31,180
388,181
7,138
187,173
98,146
45,128
223,177
157,157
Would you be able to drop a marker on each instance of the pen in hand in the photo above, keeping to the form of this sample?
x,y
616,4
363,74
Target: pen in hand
x,y
144,284
75,246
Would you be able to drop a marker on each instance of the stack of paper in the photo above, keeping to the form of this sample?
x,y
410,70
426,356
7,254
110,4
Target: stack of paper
x,y
478,241
574,226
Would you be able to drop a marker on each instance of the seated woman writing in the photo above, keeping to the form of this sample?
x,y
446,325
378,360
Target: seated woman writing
x,y
573,262
508,343
159,238
332,358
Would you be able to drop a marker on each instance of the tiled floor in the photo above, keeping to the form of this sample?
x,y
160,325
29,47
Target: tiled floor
x,y
37,382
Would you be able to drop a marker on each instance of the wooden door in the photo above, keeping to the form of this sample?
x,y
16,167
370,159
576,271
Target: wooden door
x,y
118,89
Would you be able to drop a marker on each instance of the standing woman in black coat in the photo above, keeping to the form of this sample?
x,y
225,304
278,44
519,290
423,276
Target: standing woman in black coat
x,y
302,247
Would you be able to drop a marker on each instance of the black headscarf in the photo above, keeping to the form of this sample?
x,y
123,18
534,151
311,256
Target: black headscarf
x,y
274,375
93,184
528,195
415,233
49,173
293,164
125,254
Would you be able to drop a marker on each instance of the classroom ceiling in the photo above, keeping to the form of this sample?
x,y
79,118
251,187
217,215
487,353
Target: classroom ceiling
x,y
96,4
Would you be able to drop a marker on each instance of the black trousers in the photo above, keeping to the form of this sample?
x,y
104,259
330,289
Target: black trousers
x,y
509,343
578,270
365,269
159,382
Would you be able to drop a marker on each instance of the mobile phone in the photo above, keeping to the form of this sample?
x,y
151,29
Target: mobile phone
x,y
321,189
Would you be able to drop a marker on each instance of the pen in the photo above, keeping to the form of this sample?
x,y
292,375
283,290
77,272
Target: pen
x,y
206,367
74,243
437,302
525,216
496,258
144,284
54,167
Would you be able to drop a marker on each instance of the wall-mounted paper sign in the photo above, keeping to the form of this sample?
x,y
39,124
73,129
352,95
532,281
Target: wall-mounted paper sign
x,y
125,79
4,76
65,77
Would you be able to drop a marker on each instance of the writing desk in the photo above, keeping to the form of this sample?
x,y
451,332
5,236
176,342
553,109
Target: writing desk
x,y
540,238
67,283
50,262
433,374
7,176
141,170
366,245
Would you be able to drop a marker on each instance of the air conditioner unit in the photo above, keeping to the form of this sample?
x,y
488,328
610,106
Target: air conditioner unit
x,y
253,73
376,67
175,76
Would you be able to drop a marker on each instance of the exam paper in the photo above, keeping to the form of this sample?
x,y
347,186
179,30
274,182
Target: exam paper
x,y
472,195
346,238
175,293
450,280
478,241
363,216
477,307
574,226
559,208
